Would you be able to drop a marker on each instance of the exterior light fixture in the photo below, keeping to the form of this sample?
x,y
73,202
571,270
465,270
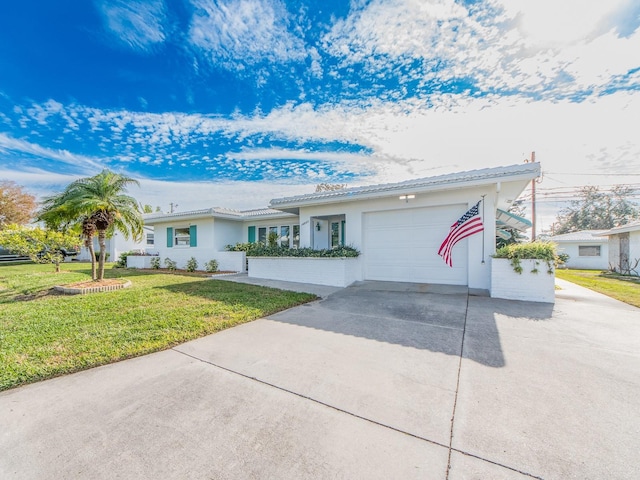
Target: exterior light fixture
x,y
406,198
318,226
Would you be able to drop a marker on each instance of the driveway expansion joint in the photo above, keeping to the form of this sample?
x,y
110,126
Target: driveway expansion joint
x,y
319,402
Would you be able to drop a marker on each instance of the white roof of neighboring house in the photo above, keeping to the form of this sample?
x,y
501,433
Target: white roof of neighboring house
x,y
581,236
526,171
629,227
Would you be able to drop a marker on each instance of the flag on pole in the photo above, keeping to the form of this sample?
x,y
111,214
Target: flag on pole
x,y
465,226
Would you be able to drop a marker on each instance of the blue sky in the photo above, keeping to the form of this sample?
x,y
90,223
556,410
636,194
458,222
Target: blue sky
x,y
233,102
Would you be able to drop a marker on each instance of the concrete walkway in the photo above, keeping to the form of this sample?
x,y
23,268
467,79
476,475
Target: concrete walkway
x,y
375,381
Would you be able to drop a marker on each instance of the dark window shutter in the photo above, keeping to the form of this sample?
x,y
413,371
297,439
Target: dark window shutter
x,y
193,236
169,236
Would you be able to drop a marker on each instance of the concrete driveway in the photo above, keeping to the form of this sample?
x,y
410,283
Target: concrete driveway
x,y
379,380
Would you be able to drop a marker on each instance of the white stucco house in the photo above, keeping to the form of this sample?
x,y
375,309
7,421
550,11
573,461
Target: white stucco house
x,y
118,244
587,249
624,248
398,227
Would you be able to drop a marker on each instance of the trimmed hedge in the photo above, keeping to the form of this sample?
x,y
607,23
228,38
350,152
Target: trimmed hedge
x,y
262,250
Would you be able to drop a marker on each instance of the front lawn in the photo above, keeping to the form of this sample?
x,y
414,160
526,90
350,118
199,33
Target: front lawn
x,y
44,335
623,288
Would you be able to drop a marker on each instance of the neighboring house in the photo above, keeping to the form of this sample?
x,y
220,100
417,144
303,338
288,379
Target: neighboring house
x,y
624,248
398,227
587,249
117,244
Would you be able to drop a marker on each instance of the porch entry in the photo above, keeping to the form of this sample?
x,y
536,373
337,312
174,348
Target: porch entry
x,y
328,231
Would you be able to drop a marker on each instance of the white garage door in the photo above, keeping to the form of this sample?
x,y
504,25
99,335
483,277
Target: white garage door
x,y
402,246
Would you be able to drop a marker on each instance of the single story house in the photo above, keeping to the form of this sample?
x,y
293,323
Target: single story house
x,y
397,227
117,244
587,249
624,248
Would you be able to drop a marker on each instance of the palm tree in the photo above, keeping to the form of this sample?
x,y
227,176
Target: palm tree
x,y
99,205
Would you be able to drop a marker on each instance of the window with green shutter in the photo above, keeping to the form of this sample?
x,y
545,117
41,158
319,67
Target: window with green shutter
x,y
193,236
169,237
252,235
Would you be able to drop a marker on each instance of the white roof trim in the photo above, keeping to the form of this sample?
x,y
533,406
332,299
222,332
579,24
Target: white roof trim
x,y
629,227
215,212
526,171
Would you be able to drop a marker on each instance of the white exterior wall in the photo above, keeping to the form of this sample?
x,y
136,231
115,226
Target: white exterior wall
x,y
614,252
335,272
114,246
479,274
210,244
634,247
586,263
526,286
271,222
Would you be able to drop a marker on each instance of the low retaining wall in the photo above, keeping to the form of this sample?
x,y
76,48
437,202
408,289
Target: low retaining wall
x,y
526,286
139,261
334,272
227,261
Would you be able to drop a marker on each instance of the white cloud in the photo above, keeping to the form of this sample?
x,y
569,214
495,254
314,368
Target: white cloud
x,y
236,33
82,163
140,25
535,48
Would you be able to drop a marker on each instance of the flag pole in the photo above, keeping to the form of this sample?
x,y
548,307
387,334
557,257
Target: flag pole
x,y
483,230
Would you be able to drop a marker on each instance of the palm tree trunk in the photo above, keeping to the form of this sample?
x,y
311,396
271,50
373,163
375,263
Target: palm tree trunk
x,y
88,242
102,235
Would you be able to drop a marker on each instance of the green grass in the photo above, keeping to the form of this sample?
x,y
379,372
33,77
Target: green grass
x,y
623,288
43,335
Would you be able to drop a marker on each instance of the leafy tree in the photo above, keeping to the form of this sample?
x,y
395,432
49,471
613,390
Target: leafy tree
x,y
16,206
596,210
98,205
40,245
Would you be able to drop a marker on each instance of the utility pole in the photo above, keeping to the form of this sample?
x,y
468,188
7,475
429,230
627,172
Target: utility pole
x,y
533,200
173,206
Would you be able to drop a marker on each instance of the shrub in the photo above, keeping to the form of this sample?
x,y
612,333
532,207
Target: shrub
x,y
192,264
106,256
545,251
272,239
122,259
211,266
170,264
261,250
155,263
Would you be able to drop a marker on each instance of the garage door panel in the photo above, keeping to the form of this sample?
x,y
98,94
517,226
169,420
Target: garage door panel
x,y
402,245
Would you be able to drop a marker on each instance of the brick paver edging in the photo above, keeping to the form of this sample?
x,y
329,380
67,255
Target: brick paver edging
x,y
82,291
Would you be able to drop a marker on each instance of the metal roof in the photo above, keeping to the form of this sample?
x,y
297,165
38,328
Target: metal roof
x,y
440,182
581,236
629,227
509,220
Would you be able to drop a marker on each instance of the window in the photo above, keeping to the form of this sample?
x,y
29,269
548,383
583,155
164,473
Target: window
x,y
335,234
262,234
589,250
181,237
296,236
284,236
150,241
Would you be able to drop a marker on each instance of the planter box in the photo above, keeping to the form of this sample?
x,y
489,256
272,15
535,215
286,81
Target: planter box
x,y
334,272
527,286
139,261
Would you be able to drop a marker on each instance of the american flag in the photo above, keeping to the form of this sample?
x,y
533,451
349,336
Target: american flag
x,y
465,226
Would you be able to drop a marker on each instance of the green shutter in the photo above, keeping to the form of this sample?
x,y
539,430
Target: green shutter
x,y
252,234
193,236
343,225
169,236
